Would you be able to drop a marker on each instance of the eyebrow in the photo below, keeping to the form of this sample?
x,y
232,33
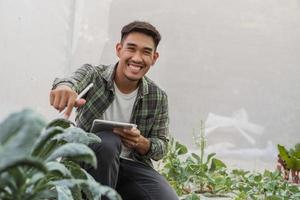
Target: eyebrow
x,y
134,45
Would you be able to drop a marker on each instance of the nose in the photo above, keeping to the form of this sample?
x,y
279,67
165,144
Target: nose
x,y
137,57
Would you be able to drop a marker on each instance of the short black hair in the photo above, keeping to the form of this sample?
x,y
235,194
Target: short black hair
x,y
142,27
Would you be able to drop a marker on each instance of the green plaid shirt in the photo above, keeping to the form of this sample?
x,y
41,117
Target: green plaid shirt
x,y
150,110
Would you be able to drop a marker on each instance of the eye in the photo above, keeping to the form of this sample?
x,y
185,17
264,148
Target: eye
x,y
147,52
131,48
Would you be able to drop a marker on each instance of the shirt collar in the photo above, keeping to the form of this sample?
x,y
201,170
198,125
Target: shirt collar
x,y
109,74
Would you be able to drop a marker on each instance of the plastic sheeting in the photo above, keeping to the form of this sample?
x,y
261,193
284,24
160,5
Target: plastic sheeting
x,y
216,57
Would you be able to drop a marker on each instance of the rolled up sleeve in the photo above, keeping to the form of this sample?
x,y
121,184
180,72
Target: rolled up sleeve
x,y
160,130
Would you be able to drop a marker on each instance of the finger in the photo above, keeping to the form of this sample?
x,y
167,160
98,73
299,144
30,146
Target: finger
x,y
56,101
63,102
70,106
133,132
51,98
129,144
119,131
134,140
80,102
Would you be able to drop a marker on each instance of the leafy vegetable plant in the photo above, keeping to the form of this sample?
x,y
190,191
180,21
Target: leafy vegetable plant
x,y
196,174
289,162
40,161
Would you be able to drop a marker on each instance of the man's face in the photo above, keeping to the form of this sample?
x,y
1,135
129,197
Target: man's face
x,y
136,55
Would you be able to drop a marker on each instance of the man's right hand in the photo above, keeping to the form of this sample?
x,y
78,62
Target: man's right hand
x,y
63,96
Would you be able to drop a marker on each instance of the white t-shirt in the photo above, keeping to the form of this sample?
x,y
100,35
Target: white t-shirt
x,y
120,110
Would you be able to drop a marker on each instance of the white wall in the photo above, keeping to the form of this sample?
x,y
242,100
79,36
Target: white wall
x,y
233,64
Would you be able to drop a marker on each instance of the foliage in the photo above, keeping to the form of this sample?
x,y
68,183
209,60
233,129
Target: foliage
x,y
289,162
39,161
260,186
192,174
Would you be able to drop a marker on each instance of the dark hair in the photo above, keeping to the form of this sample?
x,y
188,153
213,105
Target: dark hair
x,y
142,27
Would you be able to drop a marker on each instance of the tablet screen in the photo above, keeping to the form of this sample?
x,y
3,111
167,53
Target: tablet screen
x,y
105,125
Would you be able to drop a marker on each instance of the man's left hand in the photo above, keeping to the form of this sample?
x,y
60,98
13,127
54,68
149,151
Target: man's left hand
x,y
133,139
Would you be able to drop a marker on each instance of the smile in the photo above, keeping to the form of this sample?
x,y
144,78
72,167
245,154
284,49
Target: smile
x,y
135,67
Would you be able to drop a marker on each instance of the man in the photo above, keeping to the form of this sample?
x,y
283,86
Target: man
x,y
123,93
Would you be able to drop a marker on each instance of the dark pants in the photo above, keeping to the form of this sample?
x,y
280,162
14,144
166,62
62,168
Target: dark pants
x,y
132,180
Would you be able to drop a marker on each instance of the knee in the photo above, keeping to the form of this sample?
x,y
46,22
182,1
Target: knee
x,y
110,145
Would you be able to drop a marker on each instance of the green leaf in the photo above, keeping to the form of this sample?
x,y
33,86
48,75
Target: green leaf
x,y
196,157
295,153
18,176
76,171
283,153
104,190
96,189
15,122
63,193
53,166
75,151
297,147
77,135
273,197
209,157
44,138
27,161
60,122
216,164
192,196
19,131
180,148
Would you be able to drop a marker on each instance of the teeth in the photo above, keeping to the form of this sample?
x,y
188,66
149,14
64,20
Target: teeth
x,y
135,67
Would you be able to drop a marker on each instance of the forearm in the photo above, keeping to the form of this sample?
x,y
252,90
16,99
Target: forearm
x,y
78,80
143,146
159,135
158,148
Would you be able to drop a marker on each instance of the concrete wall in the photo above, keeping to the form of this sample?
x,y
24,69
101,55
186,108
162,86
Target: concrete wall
x,y
233,64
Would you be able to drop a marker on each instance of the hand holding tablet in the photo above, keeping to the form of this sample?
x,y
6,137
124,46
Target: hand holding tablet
x,y
105,125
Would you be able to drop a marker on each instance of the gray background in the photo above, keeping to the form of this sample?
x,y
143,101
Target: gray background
x,y
232,64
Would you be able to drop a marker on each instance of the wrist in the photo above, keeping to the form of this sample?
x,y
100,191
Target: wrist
x,y
143,146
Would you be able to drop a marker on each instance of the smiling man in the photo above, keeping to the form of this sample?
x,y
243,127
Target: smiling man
x,y
123,93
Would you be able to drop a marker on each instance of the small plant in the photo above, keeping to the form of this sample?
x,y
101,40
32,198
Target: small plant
x,y
173,167
289,162
39,161
206,173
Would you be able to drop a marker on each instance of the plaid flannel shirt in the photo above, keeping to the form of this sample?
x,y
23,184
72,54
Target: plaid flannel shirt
x,y
150,110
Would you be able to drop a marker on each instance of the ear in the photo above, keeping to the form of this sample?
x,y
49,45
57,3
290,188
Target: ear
x,y
155,57
118,49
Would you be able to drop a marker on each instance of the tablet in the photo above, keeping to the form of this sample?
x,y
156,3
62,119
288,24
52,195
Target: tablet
x,y
105,125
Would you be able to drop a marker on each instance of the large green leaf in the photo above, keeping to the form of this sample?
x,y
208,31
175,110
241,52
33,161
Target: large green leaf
x,y
290,161
77,135
53,166
96,190
42,194
63,193
75,169
19,131
74,151
18,175
8,186
60,122
105,190
283,153
26,161
44,138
